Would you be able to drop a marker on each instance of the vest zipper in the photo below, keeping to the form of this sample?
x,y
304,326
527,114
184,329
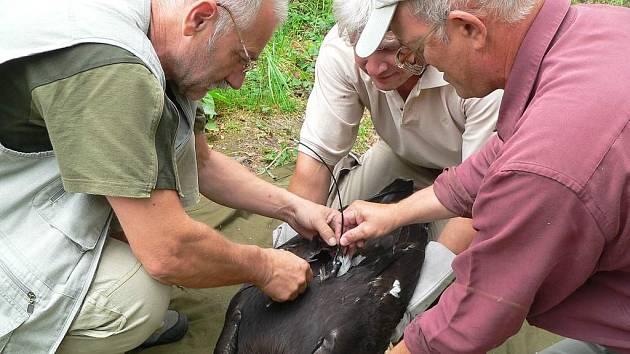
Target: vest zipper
x,y
29,294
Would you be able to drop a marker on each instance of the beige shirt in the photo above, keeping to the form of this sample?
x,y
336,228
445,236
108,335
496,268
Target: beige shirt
x,y
433,128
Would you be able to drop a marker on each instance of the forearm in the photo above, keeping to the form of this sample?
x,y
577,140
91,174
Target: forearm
x,y
225,181
204,258
175,249
512,265
420,207
367,220
311,179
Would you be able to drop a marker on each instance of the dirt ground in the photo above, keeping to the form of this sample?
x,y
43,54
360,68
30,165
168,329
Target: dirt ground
x,y
206,308
254,139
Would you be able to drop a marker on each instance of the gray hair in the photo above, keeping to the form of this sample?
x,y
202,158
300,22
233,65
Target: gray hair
x,y
351,17
435,12
245,12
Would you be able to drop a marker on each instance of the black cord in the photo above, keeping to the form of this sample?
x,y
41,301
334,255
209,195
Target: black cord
x,y
336,185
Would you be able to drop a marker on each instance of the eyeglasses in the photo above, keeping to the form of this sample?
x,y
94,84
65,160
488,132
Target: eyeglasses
x,y
250,64
410,58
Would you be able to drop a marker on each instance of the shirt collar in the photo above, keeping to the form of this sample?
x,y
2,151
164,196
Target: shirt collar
x,y
432,78
527,64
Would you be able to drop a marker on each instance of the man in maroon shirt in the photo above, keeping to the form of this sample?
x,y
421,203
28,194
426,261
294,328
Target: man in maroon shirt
x,y
549,195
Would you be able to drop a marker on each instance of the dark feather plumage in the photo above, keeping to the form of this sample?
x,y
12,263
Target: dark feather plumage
x,y
353,313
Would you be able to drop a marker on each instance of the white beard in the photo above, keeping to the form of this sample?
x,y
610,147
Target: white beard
x,y
223,84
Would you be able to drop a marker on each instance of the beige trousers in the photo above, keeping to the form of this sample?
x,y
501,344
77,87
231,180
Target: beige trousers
x,y
123,307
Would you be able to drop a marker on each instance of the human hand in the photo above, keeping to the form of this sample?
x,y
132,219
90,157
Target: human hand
x,y
365,220
311,218
400,348
286,275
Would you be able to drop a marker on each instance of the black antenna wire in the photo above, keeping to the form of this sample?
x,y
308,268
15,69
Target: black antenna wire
x,y
336,262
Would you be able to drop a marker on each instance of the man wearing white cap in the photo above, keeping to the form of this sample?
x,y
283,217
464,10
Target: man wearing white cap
x,y
548,194
423,125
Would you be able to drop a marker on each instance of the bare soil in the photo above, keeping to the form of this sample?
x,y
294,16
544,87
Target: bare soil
x,y
253,139
256,140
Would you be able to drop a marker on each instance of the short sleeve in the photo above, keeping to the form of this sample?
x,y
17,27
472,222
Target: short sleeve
x,y
334,110
481,118
110,131
200,120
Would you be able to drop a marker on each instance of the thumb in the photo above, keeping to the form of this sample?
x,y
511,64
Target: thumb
x,y
352,236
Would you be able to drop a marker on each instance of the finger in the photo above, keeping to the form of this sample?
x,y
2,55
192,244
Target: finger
x,y
350,251
293,296
303,286
349,215
334,220
325,232
352,236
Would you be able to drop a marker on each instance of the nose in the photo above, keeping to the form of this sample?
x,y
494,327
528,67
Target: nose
x,y
375,66
235,79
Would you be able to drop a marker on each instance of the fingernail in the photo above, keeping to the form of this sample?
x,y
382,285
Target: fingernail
x,y
332,241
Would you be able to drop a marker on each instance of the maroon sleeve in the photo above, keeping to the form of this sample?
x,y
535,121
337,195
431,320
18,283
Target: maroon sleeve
x,y
456,188
537,243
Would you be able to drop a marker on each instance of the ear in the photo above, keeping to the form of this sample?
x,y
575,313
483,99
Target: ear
x,y
469,27
200,16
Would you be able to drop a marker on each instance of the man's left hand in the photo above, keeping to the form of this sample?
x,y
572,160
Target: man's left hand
x,y
400,348
311,218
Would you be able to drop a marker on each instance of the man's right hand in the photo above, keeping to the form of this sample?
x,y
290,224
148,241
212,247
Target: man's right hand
x,y
364,220
286,275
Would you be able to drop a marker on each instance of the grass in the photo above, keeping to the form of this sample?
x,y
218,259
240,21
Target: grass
x,y
285,69
258,123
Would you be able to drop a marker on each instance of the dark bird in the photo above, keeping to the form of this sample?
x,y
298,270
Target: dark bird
x,y
351,312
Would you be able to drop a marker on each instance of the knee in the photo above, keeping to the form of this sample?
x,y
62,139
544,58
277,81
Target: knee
x,y
150,303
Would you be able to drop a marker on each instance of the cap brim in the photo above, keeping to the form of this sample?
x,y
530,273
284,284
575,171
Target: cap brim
x,y
374,31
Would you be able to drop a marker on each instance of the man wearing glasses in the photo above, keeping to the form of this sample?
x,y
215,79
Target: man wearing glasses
x,y
548,194
423,125
98,159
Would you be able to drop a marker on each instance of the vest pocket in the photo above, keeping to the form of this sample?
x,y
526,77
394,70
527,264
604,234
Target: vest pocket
x,y
79,217
17,303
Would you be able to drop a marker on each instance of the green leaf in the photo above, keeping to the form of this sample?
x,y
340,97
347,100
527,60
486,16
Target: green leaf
x,y
207,103
211,125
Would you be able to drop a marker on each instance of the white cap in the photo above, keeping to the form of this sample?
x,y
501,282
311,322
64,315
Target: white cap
x,y
376,27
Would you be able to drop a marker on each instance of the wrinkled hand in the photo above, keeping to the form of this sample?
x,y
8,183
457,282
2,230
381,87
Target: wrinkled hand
x,y
286,275
365,220
312,218
400,348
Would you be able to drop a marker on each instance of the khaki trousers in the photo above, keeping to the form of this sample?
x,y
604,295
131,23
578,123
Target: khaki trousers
x,y
123,307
